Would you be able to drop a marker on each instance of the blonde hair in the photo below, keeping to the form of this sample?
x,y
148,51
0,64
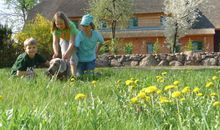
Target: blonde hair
x,y
62,16
30,41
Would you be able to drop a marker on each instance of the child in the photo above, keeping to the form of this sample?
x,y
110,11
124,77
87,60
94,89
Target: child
x,y
28,60
64,31
87,45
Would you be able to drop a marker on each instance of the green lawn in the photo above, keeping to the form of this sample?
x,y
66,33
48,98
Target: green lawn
x,y
121,99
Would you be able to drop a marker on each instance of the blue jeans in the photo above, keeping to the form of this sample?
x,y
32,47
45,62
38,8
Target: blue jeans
x,y
82,67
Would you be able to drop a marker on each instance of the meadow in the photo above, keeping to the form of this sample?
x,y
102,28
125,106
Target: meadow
x,y
119,99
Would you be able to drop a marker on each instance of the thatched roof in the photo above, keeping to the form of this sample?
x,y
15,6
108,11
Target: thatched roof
x,y
76,8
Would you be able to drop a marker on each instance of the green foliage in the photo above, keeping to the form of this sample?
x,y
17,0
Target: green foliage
x,y
115,13
8,49
156,46
40,29
189,46
128,48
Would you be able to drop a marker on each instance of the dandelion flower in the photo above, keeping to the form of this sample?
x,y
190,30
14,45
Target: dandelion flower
x,y
176,94
159,91
164,100
94,83
209,84
147,98
213,94
168,87
164,73
151,89
182,99
214,77
80,96
199,94
216,103
136,81
177,82
196,89
141,95
1,98
129,82
134,100
186,89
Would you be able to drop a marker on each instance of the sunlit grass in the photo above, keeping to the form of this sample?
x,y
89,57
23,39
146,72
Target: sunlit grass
x,y
119,99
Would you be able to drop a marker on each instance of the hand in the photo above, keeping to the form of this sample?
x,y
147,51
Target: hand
x,y
55,55
66,55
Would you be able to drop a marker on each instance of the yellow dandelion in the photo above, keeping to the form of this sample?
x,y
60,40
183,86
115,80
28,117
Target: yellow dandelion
x,y
196,89
136,81
80,96
209,84
164,100
134,100
151,89
216,103
214,77
158,77
186,89
213,94
147,98
168,87
94,83
164,73
118,81
199,94
177,82
159,91
176,94
182,99
141,95
1,97
129,82
73,79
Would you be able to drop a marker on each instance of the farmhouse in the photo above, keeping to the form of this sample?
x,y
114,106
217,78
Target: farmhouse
x,y
145,27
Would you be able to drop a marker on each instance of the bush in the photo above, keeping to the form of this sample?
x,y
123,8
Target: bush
x,y
39,28
128,48
9,50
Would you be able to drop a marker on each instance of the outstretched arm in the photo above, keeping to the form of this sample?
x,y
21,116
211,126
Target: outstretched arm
x,y
70,49
55,46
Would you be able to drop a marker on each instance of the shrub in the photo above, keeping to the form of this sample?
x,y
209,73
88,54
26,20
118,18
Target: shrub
x,y
9,50
128,49
38,28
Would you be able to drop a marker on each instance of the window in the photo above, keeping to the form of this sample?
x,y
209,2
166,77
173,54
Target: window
x,y
150,48
162,20
197,45
103,25
133,22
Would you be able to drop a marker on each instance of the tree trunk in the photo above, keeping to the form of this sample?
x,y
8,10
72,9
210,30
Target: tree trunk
x,y
113,28
175,38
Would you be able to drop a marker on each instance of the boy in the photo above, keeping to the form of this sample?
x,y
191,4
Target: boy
x,y
28,60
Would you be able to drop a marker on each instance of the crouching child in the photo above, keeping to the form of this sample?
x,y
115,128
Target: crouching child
x,y
27,61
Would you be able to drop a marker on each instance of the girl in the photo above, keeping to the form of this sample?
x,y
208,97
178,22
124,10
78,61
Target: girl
x,y
87,45
64,31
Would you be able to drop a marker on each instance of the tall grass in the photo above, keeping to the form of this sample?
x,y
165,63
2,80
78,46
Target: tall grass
x,y
112,101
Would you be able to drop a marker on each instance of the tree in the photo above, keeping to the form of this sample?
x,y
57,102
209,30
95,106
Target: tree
x,y
40,29
116,13
180,17
18,11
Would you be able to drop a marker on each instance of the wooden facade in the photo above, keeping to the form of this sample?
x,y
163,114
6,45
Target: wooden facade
x,y
147,30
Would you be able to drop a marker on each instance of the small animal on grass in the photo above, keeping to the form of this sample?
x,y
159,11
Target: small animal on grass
x,y
59,69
